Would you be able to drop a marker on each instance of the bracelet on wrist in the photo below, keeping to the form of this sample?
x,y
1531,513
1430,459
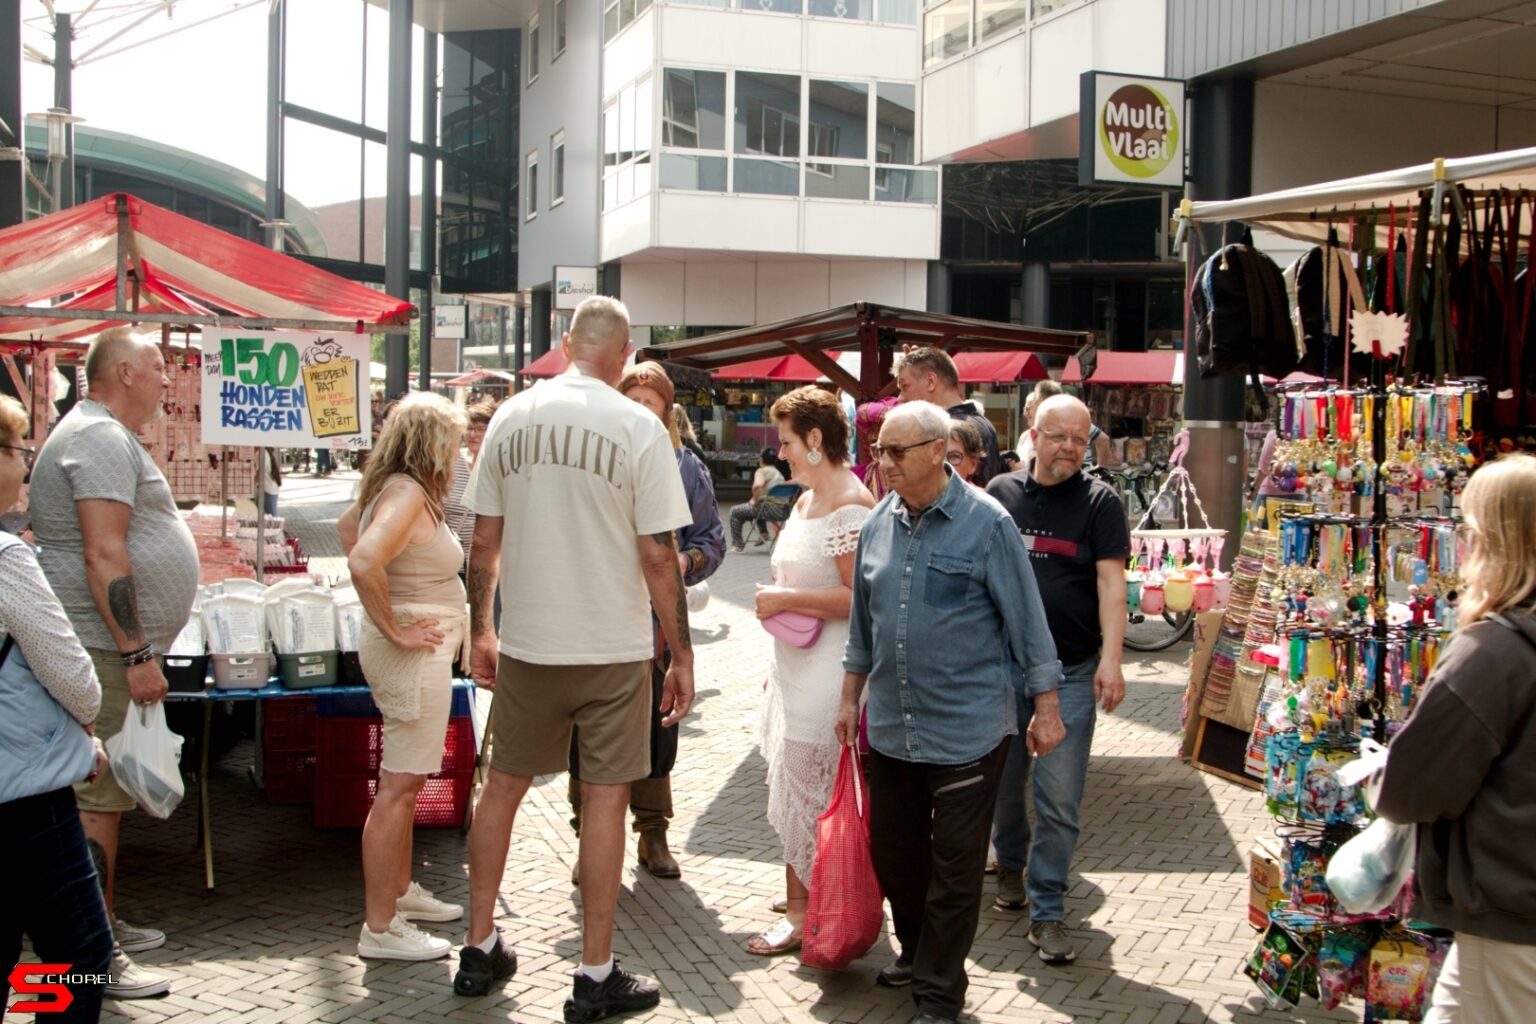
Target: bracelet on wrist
x,y
139,657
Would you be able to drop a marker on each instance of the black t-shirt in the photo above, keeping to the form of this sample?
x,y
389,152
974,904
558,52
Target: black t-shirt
x,y
1068,528
991,461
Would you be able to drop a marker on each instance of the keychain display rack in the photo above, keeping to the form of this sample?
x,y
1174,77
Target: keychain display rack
x,y
1382,464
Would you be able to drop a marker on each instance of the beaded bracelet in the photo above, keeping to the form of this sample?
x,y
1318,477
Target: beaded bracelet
x,y
139,657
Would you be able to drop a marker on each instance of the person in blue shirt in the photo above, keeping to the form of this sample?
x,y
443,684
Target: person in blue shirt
x,y
948,631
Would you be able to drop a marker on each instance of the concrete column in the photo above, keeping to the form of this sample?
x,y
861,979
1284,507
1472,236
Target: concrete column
x,y
1221,165
63,97
538,322
275,38
940,287
397,193
1035,295
12,172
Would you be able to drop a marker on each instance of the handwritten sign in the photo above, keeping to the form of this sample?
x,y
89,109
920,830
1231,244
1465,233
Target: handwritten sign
x,y
282,389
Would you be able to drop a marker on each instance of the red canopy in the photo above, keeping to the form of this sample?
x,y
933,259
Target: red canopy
x,y
178,263
481,378
752,369
1163,366
998,367
550,364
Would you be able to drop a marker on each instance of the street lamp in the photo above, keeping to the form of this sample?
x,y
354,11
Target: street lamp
x,y
59,121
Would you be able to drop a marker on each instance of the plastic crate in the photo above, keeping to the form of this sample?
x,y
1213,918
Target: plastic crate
x,y
241,671
288,776
310,670
342,800
348,745
186,673
288,725
361,705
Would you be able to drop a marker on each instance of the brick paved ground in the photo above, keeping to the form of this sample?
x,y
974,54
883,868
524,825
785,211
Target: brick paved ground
x,y
1158,899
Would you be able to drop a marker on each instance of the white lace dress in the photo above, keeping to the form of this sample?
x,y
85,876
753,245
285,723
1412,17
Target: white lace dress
x,y
805,686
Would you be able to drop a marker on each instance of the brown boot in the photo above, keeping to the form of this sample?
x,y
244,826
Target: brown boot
x,y
654,855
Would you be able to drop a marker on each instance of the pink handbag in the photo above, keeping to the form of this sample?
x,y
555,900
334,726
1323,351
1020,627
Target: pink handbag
x,y
795,628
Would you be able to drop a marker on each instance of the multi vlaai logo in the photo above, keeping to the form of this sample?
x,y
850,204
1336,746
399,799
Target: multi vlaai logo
x,y
1139,130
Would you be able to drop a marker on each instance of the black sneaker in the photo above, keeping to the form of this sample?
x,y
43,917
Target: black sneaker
x,y
896,974
620,992
478,969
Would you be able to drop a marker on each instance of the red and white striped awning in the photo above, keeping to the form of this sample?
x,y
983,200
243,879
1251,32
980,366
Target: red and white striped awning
x,y
183,268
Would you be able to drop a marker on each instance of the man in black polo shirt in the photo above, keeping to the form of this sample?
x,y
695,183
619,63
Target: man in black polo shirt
x,y
1076,532
929,375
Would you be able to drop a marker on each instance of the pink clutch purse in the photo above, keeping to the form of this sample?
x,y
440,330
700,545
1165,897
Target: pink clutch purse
x,y
794,628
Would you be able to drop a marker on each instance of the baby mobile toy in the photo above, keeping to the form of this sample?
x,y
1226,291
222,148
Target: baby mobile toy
x,y
1175,568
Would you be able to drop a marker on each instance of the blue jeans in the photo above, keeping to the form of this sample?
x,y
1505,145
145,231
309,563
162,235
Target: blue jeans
x,y
54,897
1058,794
269,504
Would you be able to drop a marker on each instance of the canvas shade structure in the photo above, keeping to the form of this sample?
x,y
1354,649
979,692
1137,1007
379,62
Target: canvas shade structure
x,y
481,379
1306,212
551,364
129,261
877,332
998,367
1135,368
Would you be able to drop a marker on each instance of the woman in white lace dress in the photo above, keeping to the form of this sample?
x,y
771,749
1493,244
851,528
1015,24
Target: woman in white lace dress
x,y
812,572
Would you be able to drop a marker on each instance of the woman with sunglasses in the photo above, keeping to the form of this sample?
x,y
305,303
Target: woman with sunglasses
x,y
49,698
812,573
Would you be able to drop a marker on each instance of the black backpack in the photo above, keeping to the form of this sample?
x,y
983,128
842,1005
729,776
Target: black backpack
x,y
1241,314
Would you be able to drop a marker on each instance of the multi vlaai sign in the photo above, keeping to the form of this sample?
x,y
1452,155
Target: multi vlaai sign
x,y
1132,130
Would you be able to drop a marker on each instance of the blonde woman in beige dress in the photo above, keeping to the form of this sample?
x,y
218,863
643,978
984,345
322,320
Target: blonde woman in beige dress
x,y
405,561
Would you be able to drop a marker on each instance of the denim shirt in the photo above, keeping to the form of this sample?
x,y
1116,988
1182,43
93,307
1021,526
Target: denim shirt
x,y
947,624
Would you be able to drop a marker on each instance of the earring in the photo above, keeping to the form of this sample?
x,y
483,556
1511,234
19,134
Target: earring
x,y
813,456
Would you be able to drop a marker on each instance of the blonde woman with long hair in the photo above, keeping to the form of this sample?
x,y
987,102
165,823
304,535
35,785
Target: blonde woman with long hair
x,y
1464,766
405,561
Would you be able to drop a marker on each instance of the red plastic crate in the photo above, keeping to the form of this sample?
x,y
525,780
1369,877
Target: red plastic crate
x,y
343,799
288,725
289,777
356,745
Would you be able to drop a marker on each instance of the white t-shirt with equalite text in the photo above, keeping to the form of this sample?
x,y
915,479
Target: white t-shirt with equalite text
x,y
577,472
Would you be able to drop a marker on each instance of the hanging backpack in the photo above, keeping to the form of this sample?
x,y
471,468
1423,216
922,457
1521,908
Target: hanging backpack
x,y
1327,290
1241,315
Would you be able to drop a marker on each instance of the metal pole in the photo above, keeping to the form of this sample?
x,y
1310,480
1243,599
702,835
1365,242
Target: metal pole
x,y
275,111
13,205
63,99
428,200
397,194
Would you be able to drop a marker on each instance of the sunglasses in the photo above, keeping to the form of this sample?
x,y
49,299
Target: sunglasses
x,y
897,452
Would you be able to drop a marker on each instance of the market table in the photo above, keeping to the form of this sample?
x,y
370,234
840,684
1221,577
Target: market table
x,y
272,691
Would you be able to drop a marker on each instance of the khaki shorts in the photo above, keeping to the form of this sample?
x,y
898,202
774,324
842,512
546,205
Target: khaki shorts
x,y
105,796
537,705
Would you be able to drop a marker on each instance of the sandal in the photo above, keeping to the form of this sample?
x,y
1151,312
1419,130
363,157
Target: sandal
x,y
776,941
780,906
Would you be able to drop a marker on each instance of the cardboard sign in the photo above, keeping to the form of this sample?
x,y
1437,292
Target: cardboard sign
x,y
285,389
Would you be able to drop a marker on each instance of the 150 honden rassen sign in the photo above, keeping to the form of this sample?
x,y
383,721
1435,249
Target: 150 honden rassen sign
x,y
1131,130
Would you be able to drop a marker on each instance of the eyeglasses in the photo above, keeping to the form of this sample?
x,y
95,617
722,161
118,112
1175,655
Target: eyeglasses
x,y
28,455
897,452
955,458
1057,437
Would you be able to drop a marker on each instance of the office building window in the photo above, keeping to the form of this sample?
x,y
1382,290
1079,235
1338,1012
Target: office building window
x,y
559,29
533,49
767,114
994,17
946,30
557,168
628,142
531,184
620,14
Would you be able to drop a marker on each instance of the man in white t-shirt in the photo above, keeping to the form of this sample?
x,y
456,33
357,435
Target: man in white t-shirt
x,y
577,493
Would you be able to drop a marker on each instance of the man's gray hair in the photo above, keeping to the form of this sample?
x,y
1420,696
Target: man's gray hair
x,y
599,321
929,418
111,347
1047,388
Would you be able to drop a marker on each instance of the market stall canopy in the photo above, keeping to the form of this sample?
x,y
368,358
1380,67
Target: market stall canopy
x,y
1307,212
551,364
481,379
877,331
1164,366
752,369
181,270
998,367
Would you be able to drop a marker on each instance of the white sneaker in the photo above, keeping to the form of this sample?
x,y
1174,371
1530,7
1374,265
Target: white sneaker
x,y
133,939
403,941
130,981
420,905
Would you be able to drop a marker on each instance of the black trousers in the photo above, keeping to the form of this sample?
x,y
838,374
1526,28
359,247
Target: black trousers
x,y
929,825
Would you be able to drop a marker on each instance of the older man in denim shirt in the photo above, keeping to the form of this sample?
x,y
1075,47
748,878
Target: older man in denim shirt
x,y
946,627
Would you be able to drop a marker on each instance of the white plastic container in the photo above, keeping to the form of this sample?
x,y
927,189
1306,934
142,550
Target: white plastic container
x,y
241,671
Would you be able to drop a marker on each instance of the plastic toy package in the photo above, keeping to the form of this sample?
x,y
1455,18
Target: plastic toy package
x,y
1301,781
1283,966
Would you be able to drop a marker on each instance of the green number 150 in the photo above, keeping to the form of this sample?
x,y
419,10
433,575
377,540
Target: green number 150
x,y
278,368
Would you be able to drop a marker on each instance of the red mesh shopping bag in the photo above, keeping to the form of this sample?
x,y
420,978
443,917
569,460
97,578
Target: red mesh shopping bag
x,y
844,916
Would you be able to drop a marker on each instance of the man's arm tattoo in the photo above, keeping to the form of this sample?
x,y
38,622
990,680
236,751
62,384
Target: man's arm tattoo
x,y
123,601
684,637
666,540
481,605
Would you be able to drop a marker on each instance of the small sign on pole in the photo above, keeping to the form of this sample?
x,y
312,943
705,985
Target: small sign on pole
x,y
1131,130
449,321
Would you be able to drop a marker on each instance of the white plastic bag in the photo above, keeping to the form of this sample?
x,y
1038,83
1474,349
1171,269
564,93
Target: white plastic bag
x,y
1369,871
146,760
